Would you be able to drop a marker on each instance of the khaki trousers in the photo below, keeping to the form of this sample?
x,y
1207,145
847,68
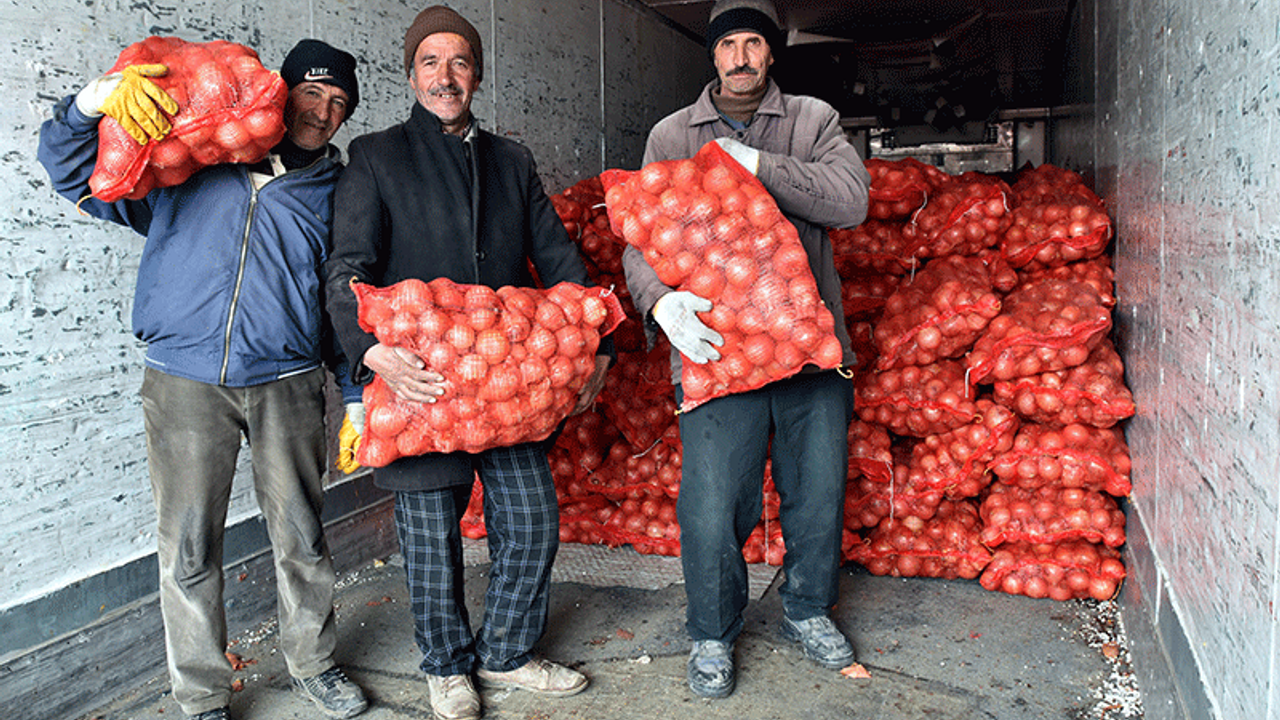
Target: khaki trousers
x,y
193,438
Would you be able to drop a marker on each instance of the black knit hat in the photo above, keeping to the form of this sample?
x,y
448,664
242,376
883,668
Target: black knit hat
x,y
730,16
316,61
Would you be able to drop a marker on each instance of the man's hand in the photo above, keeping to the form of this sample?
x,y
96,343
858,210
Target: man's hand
x,y
747,156
676,313
595,384
404,373
132,100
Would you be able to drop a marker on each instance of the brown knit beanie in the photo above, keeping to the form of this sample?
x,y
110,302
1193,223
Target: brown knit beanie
x,y
439,18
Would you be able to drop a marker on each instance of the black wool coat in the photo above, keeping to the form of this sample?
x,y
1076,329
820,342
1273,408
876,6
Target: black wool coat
x,y
408,206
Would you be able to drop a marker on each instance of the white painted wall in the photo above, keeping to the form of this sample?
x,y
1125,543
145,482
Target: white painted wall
x,y
1186,147
76,499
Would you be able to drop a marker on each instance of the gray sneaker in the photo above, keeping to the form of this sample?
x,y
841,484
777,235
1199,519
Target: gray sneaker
x,y
336,695
822,641
222,713
710,669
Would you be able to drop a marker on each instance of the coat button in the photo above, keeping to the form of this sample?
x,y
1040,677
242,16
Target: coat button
x,y
480,255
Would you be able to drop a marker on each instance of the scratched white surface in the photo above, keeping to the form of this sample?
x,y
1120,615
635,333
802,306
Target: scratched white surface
x,y
76,500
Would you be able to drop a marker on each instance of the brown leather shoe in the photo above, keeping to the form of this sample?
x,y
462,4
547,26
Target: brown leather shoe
x,y
453,697
539,676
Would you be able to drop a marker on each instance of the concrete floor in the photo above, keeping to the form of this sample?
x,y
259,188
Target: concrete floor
x,y
935,649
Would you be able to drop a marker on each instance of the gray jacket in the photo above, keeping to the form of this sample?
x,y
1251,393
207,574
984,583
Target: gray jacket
x,y
807,165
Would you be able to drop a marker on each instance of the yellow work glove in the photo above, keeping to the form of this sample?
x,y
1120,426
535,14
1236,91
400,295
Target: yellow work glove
x,y
132,100
349,438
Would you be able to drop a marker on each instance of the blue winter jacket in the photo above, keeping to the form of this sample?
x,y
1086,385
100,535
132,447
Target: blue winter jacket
x,y
229,290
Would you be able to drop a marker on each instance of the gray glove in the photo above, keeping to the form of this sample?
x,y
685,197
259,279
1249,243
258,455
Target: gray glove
x,y
676,313
747,156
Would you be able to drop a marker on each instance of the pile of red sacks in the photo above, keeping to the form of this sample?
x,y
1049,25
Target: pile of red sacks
x,y
988,394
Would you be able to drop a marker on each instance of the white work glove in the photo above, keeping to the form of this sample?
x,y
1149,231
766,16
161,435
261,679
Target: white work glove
x,y
676,313
747,156
355,411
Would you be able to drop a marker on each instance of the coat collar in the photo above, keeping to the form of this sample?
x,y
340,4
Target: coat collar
x,y
704,110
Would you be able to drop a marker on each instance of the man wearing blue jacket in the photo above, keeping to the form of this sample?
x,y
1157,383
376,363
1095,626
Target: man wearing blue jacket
x,y
229,300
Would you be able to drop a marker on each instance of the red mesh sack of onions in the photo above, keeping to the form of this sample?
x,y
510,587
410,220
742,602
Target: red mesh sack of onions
x,y
870,451
867,500
916,400
1095,272
1050,514
963,216
863,296
1032,185
1056,230
955,462
943,546
513,360
938,314
230,109
882,246
638,473
765,544
472,522
1075,456
638,397
708,226
899,187
581,518
1092,394
1064,571
1048,325
581,448
649,526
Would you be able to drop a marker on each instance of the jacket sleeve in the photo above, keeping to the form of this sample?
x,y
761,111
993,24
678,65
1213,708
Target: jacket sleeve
x,y
68,150
355,254
829,188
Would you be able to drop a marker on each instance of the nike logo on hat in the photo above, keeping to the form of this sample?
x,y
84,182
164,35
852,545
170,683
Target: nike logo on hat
x,y
317,74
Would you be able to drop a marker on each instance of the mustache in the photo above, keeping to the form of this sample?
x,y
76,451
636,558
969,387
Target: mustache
x,y
450,88
743,70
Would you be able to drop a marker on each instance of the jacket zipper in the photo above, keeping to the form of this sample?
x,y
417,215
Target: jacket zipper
x,y
235,295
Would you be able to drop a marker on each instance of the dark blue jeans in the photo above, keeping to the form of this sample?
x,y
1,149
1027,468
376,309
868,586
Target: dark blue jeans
x,y
726,442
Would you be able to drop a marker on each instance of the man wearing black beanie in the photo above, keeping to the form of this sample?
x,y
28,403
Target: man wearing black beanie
x,y
795,147
228,300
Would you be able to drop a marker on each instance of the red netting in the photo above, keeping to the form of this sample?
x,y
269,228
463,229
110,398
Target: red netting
x,y
1075,456
638,397
916,400
1092,394
1047,325
963,216
869,451
863,296
882,246
1050,514
899,187
230,109
955,462
936,315
1095,272
943,546
648,525
1062,571
513,360
708,226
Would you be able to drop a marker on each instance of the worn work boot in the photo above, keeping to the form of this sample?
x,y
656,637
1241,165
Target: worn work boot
x,y
822,641
710,669
222,713
540,676
333,692
453,697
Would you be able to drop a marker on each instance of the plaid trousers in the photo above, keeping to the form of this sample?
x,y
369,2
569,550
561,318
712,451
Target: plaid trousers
x,y
523,523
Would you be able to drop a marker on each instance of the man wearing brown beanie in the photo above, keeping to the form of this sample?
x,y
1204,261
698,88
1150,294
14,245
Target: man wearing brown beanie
x,y
437,196
795,146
